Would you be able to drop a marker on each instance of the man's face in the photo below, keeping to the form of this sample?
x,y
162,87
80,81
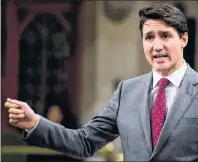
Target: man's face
x,y
163,46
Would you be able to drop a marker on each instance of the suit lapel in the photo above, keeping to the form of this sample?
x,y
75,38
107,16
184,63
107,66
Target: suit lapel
x,y
144,109
185,95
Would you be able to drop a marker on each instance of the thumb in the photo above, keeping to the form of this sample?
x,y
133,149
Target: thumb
x,y
19,103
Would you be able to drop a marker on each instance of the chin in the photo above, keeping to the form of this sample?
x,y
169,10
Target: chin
x,y
161,68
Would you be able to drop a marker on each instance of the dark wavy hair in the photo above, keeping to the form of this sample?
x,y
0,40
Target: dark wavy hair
x,y
170,14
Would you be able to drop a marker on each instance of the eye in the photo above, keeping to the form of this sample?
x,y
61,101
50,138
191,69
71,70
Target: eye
x,y
165,35
149,37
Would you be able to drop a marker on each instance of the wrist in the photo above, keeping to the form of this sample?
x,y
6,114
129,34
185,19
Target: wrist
x,y
34,121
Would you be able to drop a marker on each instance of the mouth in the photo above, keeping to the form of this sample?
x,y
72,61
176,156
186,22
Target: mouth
x,y
160,56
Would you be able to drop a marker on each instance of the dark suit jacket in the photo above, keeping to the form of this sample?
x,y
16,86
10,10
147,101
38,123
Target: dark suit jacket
x,y
127,115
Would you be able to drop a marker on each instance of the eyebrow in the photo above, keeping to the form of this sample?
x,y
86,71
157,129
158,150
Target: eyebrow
x,y
161,31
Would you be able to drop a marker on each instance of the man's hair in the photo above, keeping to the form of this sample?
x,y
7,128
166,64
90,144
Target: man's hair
x,y
166,12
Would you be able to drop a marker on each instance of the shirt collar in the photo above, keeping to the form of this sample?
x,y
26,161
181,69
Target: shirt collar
x,y
175,78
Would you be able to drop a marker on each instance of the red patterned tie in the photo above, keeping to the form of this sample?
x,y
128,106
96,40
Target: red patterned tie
x,y
159,111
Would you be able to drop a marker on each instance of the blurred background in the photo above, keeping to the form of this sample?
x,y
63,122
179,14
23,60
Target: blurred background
x,y
65,58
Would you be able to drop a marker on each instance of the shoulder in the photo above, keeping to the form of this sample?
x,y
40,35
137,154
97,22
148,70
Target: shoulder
x,y
128,85
137,80
192,76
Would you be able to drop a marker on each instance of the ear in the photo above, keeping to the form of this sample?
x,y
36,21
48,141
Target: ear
x,y
184,40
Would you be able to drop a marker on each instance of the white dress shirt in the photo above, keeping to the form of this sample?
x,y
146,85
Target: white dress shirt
x,y
175,80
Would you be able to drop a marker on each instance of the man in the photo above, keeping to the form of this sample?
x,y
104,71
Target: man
x,y
156,114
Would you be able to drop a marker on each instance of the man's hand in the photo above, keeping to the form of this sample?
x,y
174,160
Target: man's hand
x,y
20,114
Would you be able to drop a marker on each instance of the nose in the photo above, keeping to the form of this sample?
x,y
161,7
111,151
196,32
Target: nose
x,y
157,46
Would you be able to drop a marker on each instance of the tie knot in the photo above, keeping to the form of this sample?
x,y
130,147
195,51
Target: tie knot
x,y
163,83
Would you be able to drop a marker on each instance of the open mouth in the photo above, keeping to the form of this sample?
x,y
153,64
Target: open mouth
x,y
160,56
